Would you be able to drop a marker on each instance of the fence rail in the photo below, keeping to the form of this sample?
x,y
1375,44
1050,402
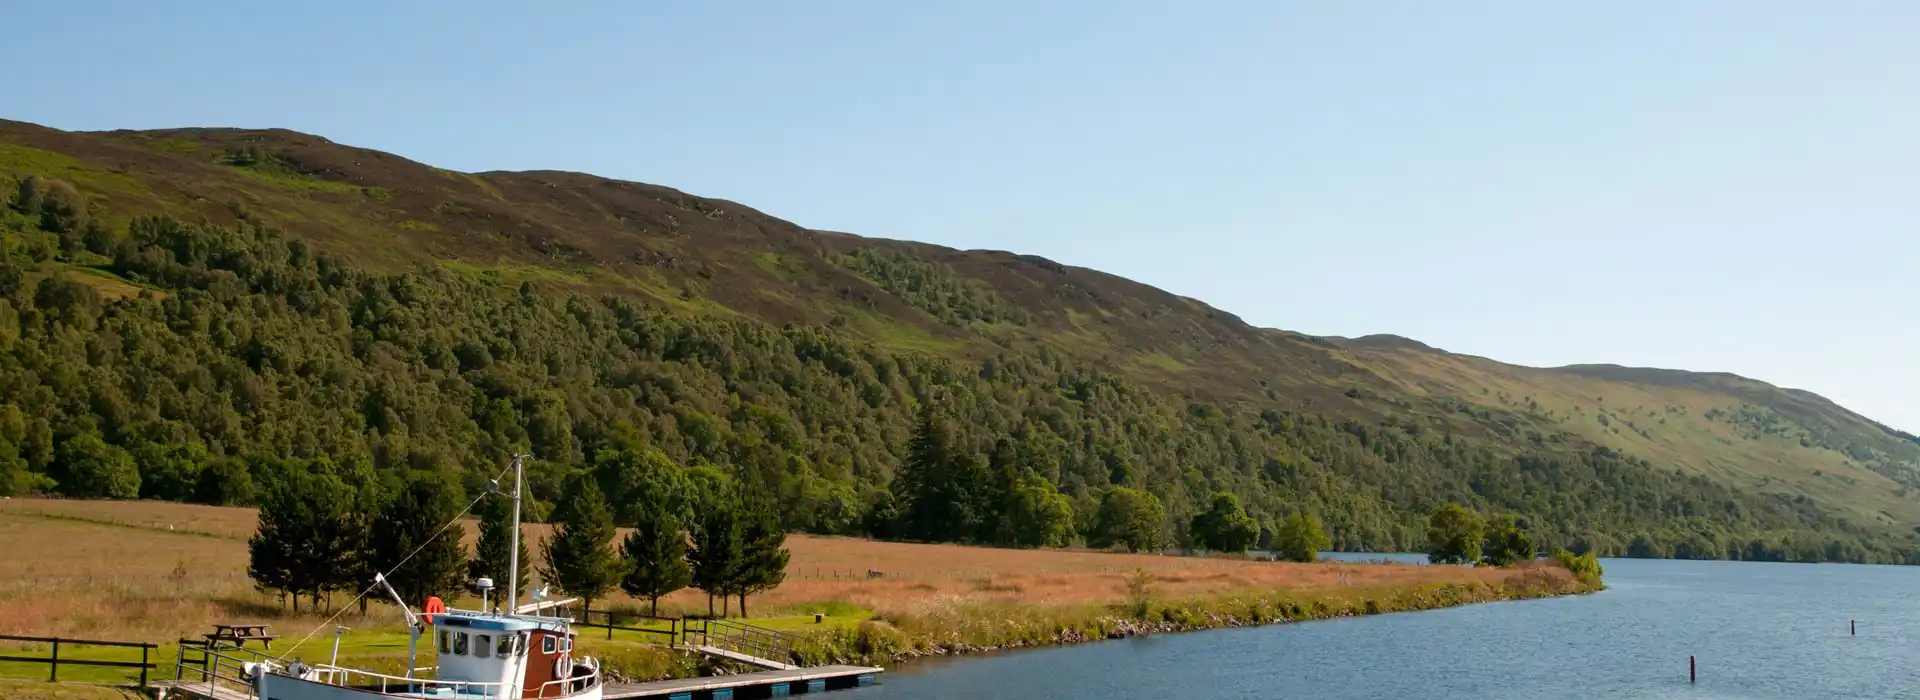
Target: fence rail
x,y
741,637
53,660
672,632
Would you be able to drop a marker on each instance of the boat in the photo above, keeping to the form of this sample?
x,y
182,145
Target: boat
x,y
486,654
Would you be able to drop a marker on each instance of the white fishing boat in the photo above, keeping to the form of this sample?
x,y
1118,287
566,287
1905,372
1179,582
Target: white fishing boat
x,y
485,654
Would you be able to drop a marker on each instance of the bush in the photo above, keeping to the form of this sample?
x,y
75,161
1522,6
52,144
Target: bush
x,y
1585,567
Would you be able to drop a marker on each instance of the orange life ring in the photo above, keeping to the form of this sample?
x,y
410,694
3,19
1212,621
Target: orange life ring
x,y
433,606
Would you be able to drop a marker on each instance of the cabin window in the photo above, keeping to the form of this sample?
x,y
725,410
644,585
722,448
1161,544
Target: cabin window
x,y
506,646
566,644
446,641
460,643
482,645
546,645
520,645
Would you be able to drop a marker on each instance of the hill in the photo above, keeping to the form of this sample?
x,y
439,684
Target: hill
x,y
301,300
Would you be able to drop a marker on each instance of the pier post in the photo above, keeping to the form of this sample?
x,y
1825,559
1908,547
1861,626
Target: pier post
x,y
1850,631
1693,671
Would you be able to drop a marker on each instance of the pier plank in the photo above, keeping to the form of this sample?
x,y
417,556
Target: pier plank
x,y
668,688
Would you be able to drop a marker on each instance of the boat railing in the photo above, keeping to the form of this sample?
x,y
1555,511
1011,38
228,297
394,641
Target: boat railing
x,y
217,665
562,687
402,686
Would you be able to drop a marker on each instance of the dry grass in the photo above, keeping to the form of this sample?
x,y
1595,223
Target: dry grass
x,y
156,571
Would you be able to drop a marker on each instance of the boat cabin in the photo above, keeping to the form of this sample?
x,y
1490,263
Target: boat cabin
x,y
512,652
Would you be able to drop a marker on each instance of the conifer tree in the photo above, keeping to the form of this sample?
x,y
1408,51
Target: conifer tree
x,y
654,556
491,554
717,551
416,518
763,552
579,556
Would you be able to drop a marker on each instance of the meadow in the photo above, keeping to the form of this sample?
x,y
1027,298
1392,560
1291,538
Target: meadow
x,y
157,571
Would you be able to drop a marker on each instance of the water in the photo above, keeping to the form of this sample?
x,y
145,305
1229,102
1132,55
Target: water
x,y
1759,630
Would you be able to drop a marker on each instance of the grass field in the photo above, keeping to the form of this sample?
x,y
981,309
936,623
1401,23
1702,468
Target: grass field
x,y
152,571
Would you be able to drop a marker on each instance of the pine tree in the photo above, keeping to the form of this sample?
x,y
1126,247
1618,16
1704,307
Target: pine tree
x,y
274,549
417,518
491,554
717,551
579,556
763,554
654,556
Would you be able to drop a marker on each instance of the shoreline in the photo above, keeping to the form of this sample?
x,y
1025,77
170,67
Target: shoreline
x,y
985,629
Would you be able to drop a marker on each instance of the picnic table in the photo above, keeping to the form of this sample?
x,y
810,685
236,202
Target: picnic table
x,y
239,635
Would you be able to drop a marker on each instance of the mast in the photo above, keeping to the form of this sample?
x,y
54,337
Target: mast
x,y
513,549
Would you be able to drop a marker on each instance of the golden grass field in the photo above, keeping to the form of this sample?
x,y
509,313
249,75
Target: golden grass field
x,y
156,571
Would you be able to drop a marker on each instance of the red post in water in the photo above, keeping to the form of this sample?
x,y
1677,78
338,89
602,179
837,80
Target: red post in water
x,y
1693,674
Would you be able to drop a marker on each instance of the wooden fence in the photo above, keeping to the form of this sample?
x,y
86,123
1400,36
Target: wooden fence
x,y
54,662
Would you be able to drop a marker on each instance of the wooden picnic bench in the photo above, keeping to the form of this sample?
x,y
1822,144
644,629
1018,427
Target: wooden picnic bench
x,y
239,635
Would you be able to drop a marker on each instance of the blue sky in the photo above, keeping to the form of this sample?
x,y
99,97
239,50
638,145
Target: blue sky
x,y
1724,186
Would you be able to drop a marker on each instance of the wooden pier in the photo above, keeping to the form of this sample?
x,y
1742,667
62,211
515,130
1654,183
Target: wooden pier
x,y
748,686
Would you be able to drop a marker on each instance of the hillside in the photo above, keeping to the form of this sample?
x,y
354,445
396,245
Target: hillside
x,y
729,336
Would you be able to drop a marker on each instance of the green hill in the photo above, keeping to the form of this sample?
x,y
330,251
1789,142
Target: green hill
x,y
301,300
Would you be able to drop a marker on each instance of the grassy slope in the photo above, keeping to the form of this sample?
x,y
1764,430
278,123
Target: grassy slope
x,y
711,256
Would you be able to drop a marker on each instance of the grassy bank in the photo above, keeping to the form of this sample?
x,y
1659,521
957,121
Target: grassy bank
x,y
156,572
964,628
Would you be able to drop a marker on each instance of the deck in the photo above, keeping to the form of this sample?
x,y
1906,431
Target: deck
x,y
761,684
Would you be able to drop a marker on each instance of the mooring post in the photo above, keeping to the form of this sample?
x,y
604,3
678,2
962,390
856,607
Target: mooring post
x,y
1850,631
1693,672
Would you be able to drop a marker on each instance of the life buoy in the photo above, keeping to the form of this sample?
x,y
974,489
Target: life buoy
x,y
433,606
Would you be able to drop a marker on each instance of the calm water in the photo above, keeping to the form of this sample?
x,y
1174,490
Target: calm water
x,y
1759,630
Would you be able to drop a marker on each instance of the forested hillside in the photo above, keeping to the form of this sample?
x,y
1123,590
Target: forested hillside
x,y
198,315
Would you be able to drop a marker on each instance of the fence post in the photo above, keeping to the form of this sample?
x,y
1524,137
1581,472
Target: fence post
x,y
53,662
143,664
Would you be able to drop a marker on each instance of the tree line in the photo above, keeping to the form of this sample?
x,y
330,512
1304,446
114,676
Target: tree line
x,y
318,536
230,359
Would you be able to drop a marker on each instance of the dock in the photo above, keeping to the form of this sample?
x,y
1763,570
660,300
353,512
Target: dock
x,y
747,686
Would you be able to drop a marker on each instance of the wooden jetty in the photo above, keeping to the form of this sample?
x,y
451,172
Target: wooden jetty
x,y
746,686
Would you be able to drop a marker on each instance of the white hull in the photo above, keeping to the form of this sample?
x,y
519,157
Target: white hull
x,y
277,686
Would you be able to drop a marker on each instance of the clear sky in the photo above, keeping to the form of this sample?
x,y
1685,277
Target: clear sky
x,y
1728,185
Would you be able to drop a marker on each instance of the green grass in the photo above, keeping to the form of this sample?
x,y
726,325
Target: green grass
x,y
417,225
42,690
511,274
91,181
296,181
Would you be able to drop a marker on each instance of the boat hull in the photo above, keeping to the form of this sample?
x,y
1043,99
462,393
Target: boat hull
x,y
277,686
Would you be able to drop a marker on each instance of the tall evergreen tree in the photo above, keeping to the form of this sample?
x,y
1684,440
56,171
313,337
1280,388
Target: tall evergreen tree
x,y
579,556
413,543
763,552
492,554
654,557
274,551
718,552
924,488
